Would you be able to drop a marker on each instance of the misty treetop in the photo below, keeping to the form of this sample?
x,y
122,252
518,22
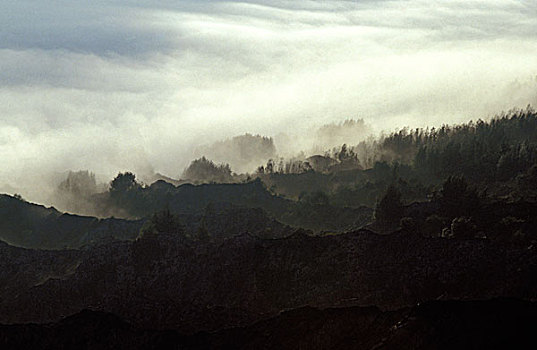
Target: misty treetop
x,y
494,151
242,153
124,182
203,170
446,179
499,149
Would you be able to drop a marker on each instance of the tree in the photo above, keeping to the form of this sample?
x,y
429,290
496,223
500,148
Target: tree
x,y
343,154
74,193
203,233
433,226
148,248
161,222
124,193
79,184
457,198
390,209
409,225
463,227
316,198
205,170
123,183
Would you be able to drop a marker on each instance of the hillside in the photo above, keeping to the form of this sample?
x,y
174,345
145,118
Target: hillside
x,y
227,258
34,226
491,324
29,225
169,281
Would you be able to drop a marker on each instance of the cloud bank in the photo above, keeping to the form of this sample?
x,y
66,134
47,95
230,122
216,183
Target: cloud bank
x,y
137,85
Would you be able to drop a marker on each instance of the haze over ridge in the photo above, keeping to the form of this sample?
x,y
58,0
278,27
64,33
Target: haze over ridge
x,y
111,86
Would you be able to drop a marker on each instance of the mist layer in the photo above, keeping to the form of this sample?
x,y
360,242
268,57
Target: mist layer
x,y
128,85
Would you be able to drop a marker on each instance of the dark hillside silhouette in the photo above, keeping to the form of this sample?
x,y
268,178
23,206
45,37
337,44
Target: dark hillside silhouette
x,y
497,323
205,171
34,226
171,281
412,240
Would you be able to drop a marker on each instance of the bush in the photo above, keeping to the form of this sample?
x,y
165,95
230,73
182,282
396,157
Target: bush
x,y
161,222
389,210
462,227
457,198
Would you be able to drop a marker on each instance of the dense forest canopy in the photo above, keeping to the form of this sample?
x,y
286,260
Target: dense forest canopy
x,y
242,152
440,181
204,170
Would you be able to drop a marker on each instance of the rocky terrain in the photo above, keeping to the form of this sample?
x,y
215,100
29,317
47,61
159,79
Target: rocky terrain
x,y
31,225
187,199
169,281
34,226
492,324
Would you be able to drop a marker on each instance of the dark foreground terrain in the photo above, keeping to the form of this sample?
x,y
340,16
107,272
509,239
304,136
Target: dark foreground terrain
x,y
431,244
170,282
493,324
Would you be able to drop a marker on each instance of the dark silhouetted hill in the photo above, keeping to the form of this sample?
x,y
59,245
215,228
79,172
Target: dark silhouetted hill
x,y
190,199
491,324
169,281
34,226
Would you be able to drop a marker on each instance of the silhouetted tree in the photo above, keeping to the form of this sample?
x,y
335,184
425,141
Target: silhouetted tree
x,y
161,222
79,184
463,227
124,182
389,210
316,198
457,198
205,170
203,233
74,193
409,225
433,226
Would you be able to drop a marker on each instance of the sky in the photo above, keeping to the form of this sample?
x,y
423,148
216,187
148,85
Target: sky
x,y
136,85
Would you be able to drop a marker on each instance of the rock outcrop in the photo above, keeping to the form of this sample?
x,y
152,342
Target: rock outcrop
x,y
169,281
492,324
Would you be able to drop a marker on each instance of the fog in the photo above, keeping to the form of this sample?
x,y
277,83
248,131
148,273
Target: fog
x,y
139,85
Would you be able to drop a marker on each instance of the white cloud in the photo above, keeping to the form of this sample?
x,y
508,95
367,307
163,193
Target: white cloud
x,y
117,85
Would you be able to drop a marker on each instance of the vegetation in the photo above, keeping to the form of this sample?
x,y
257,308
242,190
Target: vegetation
x,y
123,183
242,152
411,217
161,222
389,210
471,180
206,171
